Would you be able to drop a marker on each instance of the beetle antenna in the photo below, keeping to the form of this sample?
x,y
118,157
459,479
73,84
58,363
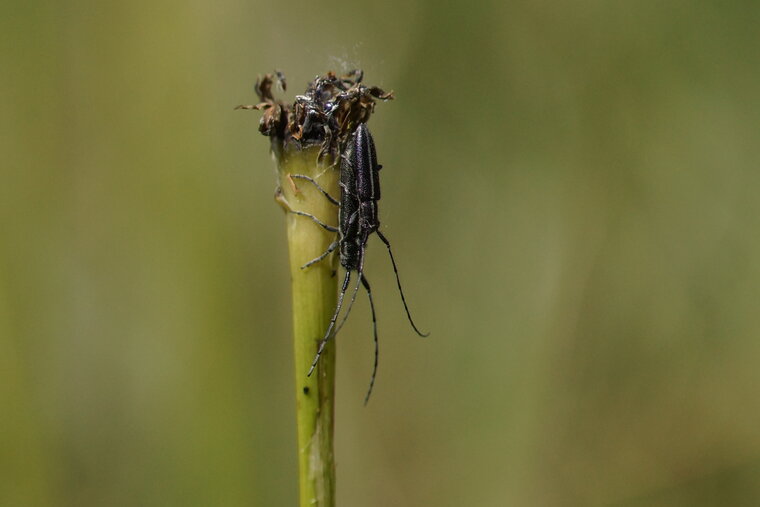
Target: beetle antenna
x,y
350,305
356,288
374,331
398,281
332,323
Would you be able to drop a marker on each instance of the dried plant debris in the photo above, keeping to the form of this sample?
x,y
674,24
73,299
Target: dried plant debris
x,y
325,115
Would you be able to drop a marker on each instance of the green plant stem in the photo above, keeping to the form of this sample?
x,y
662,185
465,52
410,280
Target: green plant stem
x,y
314,297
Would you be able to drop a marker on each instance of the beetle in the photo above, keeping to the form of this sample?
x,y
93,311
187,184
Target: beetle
x,y
357,219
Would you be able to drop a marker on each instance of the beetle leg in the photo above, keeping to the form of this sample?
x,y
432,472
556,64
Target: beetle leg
x,y
398,282
312,180
327,252
316,220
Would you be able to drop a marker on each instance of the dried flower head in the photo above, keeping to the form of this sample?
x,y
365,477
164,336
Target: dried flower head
x,y
326,114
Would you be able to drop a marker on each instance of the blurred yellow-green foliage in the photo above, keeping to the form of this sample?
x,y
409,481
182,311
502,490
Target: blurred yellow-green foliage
x,y
571,189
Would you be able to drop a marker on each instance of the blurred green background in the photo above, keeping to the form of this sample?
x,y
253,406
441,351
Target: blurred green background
x,y
571,191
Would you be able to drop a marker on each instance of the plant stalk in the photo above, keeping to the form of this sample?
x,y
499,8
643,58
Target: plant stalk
x,y
314,297
319,122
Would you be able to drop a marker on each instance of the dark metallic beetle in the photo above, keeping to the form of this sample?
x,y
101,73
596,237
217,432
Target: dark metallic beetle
x,y
358,219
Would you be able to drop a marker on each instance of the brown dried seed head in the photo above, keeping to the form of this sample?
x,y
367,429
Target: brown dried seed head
x,y
325,115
